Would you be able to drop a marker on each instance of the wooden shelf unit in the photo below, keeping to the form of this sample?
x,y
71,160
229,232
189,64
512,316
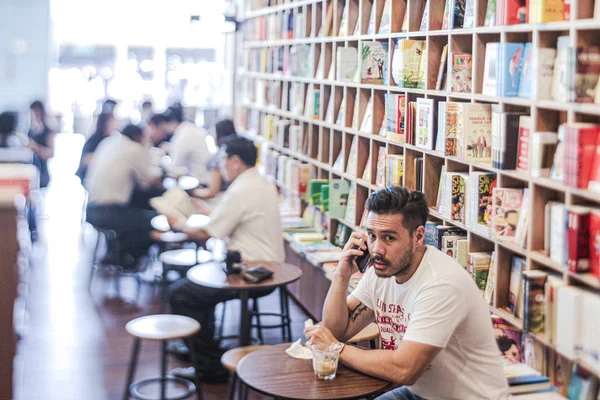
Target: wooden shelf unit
x,y
546,115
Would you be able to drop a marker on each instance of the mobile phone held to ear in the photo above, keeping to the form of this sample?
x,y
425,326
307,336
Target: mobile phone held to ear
x,y
362,261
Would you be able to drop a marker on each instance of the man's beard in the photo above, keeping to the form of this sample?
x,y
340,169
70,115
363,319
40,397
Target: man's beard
x,y
399,268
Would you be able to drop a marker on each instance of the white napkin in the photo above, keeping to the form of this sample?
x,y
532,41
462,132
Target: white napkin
x,y
297,350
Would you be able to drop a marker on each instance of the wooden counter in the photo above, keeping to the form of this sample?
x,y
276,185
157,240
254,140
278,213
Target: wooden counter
x,y
8,287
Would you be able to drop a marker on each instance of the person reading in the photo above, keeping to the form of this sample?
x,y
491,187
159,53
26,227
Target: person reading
x,y
435,327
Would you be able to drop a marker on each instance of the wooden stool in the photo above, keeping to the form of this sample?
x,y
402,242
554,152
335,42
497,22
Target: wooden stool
x,y
370,333
230,362
162,327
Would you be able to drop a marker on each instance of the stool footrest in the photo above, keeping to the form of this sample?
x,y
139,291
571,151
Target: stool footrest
x,y
136,386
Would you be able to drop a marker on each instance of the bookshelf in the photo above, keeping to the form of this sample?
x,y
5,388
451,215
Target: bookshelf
x,y
267,81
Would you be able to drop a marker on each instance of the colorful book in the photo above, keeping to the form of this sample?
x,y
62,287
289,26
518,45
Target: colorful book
x,y
515,289
506,205
406,62
523,222
479,206
338,197
475,132
461,79
373,59
458,14
526,78
533,301
509,340
523,149
586,74
490,14
502,69
425,123
478,266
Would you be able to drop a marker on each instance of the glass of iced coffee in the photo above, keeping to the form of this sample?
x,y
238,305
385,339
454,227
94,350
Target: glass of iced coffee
x,y
325,359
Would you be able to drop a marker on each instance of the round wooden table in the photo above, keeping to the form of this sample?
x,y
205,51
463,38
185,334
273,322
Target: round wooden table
x,y
161,223
212,275
272,372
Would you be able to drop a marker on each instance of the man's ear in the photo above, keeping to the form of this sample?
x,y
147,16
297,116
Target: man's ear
x,y
420,235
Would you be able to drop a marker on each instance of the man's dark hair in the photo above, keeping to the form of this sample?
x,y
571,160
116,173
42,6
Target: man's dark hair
x,y
225,128
8,122
37,104
399,200
175,112
243,148
158,119
133,132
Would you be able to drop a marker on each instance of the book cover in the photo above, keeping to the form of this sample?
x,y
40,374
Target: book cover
x,y
458,14
578,239
491,281
533,301
367,122
352,157
479,208
461,75
595,243
553,282
561,79
343,29
385,26
542,146
543,63
338,197
371,30
526,78
459,182
422,78
405,69
546,11
443,67
451,129
509,340
446,18
367,172
490,14
450,244
523,148
469,20
587,72
351,206
430,233
425,19
478,265
580,149
395,169
395,112
475,130
381,167
506,205
558,232
373,59
425,120
515,300
523,223
442,232
346,63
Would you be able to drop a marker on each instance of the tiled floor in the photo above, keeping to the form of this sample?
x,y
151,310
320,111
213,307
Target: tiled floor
x,y
74,345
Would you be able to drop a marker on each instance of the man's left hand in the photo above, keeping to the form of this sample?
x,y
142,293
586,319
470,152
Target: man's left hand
x,y
319,334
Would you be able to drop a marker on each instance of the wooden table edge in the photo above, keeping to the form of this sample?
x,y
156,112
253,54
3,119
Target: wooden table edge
x,y
360,396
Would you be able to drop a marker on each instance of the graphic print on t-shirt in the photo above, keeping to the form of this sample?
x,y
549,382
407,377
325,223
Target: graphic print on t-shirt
x,y
392,320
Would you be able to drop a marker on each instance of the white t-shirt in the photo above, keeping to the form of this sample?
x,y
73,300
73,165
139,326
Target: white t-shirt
x,y
118,166
440,305
189,151
248,214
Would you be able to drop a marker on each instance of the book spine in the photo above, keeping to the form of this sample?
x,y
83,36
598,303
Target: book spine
x,y
579,242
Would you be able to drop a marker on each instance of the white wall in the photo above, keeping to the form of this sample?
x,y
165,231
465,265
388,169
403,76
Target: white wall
x,y
24,52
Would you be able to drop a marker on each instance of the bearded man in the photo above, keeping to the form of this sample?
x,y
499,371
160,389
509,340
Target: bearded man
x,y
435,327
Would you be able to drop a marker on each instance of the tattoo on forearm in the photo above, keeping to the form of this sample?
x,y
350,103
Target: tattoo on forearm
x,y
355,313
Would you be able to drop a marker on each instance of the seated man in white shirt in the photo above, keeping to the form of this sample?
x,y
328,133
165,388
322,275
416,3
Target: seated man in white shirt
x,y
121,165
435,326
248,217
188,149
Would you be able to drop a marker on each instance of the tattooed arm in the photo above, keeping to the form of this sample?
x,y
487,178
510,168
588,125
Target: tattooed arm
x,y
345,315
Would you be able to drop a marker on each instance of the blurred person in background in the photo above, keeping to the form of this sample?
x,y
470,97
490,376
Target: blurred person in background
x,y
157,129
106,125
188,150
8,125
217,184
41,139
121,165
146,112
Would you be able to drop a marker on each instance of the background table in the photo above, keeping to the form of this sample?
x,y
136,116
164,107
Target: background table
x,y
161,223
272,372
212,275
